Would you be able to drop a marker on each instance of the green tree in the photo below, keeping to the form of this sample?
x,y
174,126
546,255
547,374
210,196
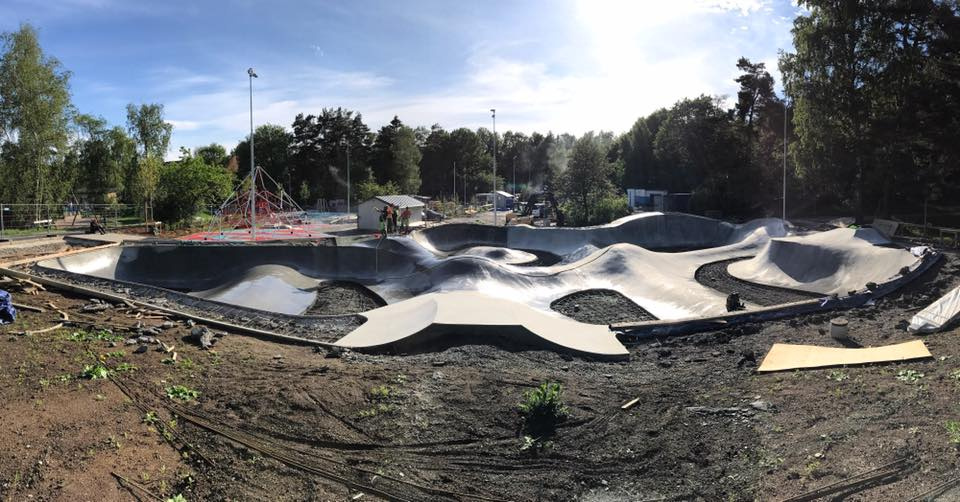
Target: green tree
x,y
271,144
35,114
212,154
319,151
148,127
396,156
103,156
152,136
585,181
186,186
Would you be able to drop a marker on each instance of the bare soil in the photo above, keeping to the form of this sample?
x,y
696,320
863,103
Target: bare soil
x,y
287,422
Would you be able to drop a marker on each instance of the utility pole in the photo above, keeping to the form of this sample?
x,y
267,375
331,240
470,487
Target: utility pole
x,y
253,172
454,183
494,112
514,175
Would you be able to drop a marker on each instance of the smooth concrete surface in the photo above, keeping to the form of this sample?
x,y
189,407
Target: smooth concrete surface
x,y
837,261
418,275
431,318
398,269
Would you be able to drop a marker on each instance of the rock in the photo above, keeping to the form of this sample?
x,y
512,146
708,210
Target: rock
x,y
167,325
130,341
94,307
761,405
112,344
147,339
190,323
202,336
140,350
278,356
715,354
439,363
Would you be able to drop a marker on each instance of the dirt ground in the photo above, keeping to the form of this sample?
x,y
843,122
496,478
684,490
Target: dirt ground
x,y
288,422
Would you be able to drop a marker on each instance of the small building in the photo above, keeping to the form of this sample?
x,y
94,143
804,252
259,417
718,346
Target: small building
x,y
368,213
645,199
504,199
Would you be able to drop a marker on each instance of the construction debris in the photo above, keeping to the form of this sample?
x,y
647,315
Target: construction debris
x,y
788,357
938,314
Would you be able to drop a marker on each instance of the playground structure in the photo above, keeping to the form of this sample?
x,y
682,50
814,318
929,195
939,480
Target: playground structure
x,y
258,210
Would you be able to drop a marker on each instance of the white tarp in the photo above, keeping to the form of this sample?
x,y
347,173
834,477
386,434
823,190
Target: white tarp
x,y
938,314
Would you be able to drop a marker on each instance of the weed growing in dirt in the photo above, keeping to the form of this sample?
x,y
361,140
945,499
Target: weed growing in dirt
x,y
177,498
115,354
120,368
151,418
955,375
542,409
838,375
380,396
95,372
182,393
953,429
909,376
89,336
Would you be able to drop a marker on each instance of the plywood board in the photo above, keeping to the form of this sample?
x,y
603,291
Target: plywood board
x,y
784,356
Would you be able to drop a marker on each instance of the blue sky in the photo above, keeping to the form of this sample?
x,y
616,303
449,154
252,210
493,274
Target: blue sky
x,y
564,65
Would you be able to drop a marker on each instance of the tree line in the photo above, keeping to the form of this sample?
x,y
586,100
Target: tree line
x,y
870,112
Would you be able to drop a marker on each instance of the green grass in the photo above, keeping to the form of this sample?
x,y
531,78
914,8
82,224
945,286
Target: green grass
x,y
953,429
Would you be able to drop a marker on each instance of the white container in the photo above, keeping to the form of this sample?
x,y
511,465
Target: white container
x,y
838,328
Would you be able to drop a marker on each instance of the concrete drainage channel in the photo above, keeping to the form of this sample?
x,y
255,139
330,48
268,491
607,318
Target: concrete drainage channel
x,y
428,283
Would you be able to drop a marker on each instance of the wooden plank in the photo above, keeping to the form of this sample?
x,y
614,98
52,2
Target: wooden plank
x,y
784,356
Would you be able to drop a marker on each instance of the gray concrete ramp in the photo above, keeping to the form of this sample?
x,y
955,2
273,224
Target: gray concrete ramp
x,y
431,318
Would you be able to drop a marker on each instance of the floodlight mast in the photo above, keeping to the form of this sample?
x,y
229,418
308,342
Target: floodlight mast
x,y
253,172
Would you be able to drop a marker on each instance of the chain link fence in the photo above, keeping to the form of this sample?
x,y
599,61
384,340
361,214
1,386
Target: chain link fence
x,y
39,219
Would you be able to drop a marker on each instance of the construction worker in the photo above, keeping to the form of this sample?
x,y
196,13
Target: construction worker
x,y
391,218
383,221
405,220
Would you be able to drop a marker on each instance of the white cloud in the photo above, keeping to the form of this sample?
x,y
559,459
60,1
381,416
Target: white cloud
x,y
620,60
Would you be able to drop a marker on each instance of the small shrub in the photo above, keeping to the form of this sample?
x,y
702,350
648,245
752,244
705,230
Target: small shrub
x,y
182,393
95,372
543,409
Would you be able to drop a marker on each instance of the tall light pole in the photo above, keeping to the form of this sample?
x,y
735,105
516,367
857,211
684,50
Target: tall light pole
x,y
253,172
346,142
454,183
514,175
494,112
784,158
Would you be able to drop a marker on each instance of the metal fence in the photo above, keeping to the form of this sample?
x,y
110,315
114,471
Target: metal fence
x,y
31,219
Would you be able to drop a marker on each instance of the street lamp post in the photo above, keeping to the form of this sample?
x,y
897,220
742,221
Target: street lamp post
x,y
253,172
494,112
784,159
514,175
346,143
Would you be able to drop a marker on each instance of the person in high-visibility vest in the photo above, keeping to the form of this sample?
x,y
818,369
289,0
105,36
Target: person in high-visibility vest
x,y
388,211
405,220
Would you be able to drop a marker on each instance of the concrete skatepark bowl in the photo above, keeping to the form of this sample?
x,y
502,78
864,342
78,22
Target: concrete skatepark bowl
x,y
466,282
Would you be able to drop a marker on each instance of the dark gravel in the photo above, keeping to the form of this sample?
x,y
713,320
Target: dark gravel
x,y
714,275
344,297
600,306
